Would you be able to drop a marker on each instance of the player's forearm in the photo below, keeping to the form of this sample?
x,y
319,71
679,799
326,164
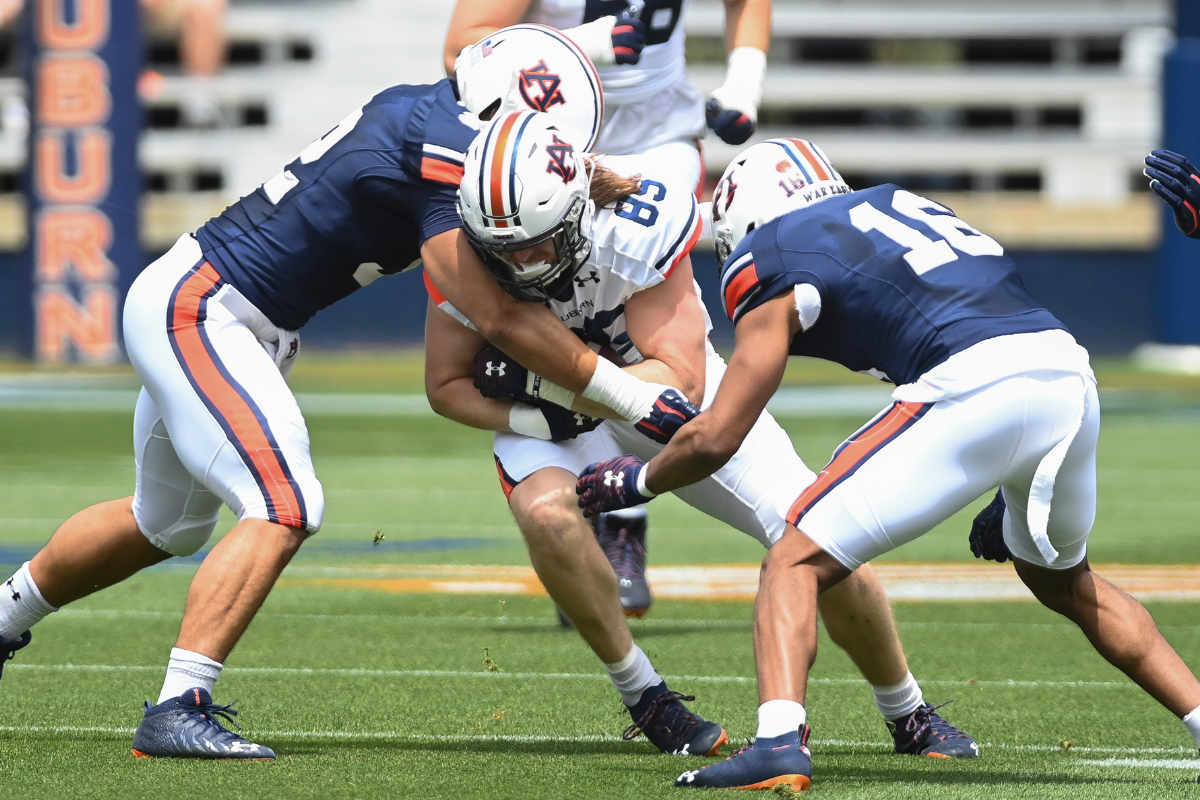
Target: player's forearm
x,y
748,24
651,371
698,450
460,401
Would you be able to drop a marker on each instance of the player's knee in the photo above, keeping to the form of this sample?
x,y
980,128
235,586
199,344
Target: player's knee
x,y
1061,590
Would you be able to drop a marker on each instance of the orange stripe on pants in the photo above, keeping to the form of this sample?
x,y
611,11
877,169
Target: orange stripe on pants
x,y
247,431
856,451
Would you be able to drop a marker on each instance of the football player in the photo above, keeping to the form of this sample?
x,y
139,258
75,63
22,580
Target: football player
x,y
1177,181
652,109
991,391
610,256
211,330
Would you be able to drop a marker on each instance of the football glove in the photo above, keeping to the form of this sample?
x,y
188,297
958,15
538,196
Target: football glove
x,y
671,412
732,109
987,532
496,375
610,485
1177,181
628,36
566,424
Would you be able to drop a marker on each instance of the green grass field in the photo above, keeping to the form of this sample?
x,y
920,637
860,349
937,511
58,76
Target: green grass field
x,y
376,694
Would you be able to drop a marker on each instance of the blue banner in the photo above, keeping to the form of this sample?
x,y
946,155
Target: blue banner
x,y
82,179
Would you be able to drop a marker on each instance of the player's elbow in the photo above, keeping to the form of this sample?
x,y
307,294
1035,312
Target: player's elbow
x,y
708,448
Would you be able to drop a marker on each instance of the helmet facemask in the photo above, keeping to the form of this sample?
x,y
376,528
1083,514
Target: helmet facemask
x,y
539,282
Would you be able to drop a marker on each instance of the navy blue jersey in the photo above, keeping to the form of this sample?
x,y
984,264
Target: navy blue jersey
x,y
904,284
357,203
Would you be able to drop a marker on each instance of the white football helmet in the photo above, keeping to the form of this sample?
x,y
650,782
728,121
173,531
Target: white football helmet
x,y
524,185
533,67
765,181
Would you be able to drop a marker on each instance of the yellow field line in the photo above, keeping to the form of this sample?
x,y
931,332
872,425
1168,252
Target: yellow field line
x,y
918,582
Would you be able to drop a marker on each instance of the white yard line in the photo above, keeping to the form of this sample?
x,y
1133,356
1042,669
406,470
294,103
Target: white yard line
x,y
573,676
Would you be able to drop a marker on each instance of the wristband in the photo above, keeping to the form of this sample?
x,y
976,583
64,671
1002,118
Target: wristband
x,y
630,397
641,482
539,388
528,421
743,85
595,40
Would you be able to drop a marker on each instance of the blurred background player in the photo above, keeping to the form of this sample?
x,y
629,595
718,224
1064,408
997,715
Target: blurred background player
x,y
211,329
199,25
1177,181
991,390
650,108
610,254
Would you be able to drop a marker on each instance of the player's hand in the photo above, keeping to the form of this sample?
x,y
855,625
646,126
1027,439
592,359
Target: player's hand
x,y
497,375
628,37
987,532
566,424
671,412
610,485
1176,181
732,125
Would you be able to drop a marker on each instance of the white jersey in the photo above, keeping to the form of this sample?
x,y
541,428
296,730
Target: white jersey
x,y
673,110
635,246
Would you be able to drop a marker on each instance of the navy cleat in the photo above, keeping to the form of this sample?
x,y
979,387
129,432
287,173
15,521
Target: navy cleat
x,y
10,646
926,733
671,727
762,764
187,727
624,544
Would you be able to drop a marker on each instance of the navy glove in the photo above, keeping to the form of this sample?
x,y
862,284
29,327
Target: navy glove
x,y
1176,181
987,532
734,127
497,375
671,411
566,424
609,485
628,36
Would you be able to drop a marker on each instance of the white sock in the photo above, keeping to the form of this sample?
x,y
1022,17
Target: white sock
x,y
1192,722
633,675
188,670
21,604
777,717
900,700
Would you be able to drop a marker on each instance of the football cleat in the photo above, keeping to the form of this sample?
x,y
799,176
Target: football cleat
x,y
671,727
762,764
10,646
624,544
187,727
926,733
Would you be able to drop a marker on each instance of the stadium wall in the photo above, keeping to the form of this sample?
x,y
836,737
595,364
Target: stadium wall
x,y
1107,299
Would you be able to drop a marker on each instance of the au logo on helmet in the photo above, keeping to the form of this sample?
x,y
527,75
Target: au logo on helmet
x,y
559,151
547,84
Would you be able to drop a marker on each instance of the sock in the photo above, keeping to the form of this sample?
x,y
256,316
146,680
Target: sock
x,y
900,700
1192,722
628,514
779,717
187,670
21,604
633,675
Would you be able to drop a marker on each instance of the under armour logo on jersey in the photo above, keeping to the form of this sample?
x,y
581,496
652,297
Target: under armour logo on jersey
x,y
582,282
559,151
614,480
548,92
495,369
16,596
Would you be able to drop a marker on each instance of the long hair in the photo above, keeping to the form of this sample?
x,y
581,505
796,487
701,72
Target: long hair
x,y
609,188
